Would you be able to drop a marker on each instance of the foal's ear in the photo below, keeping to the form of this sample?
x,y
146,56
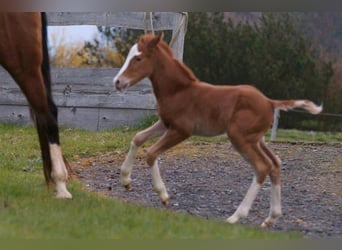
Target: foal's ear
x,y
153,43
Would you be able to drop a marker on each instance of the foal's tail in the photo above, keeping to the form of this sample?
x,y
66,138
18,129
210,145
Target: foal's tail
x,y
302,104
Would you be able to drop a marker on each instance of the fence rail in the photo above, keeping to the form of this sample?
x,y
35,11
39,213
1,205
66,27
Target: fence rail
x,y
320,124
86,97
134,20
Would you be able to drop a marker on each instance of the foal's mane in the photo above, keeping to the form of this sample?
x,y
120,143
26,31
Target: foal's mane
x,y
186,70
163,46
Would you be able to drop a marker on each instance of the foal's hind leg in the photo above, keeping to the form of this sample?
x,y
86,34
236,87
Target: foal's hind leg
x,y
275,204
140,138
262,166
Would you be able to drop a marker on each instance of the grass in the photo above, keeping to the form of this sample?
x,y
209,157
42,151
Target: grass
x,y
293,135
29,211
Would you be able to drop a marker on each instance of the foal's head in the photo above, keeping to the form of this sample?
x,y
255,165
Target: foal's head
x,y
139,63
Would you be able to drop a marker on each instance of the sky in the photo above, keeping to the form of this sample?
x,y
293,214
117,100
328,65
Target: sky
x,y
71,34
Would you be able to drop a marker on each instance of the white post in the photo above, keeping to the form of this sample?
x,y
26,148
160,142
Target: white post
x,y
275,124
178,34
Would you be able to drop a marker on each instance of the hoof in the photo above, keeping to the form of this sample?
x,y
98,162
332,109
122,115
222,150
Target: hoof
x,y
271,220
61,191
265,225
232,219
128,186
64,195
126,182
165,202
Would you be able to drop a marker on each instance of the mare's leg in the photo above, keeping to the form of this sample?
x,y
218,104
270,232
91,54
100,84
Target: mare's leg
x,y
47,128
275,203
139,139
24,55
168,140
253,153
59,171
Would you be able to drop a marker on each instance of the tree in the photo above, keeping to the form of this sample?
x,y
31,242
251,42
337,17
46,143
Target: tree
x,y
119,39
122,39
284,63
204,49
271,54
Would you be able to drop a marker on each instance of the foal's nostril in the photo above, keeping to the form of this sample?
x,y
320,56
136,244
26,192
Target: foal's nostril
x,y
117,82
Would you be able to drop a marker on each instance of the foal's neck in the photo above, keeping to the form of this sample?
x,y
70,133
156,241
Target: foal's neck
x,y
170,75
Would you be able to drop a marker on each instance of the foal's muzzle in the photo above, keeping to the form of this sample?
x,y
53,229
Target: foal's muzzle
x,y
121,83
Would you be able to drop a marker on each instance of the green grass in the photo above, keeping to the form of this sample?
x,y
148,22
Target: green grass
x,y
306,136
287,135
28,209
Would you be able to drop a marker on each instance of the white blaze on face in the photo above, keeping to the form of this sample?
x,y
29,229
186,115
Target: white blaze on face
x,y
132,53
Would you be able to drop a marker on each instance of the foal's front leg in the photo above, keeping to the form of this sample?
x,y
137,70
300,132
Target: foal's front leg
x,y
127,165
157,129
168,140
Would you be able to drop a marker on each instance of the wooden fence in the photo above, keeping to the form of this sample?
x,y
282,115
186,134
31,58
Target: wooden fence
x,y
86,98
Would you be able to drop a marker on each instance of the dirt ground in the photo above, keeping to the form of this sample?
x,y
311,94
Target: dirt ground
x,y
210,180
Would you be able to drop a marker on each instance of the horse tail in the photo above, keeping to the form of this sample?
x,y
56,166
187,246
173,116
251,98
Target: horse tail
x,y
46,60
45,68
302,104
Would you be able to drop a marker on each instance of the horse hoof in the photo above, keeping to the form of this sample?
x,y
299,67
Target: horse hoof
x,y
65,195
231,220
128,186
165,202
271,220
61,191
266,224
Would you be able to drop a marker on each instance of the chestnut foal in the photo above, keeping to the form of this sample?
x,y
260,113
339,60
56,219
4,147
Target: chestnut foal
x,y
187,106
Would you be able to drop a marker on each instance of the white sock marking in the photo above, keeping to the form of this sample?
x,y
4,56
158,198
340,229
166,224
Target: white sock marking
x,y
126,168
275,199
59,172
158,183
275,208
243,210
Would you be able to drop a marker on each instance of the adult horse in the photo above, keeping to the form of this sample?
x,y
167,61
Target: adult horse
x,y
24,54
187,106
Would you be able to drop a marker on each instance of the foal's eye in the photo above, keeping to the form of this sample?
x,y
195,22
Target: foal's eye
x,y
138,59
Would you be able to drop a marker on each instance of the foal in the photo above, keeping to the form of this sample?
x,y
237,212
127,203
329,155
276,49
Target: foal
x,y
188,107
24,54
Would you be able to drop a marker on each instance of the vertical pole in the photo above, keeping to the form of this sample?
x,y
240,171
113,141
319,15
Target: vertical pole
x,y
178,34
275,124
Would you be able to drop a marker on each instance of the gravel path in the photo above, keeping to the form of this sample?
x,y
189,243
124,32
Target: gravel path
x,y
210,180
